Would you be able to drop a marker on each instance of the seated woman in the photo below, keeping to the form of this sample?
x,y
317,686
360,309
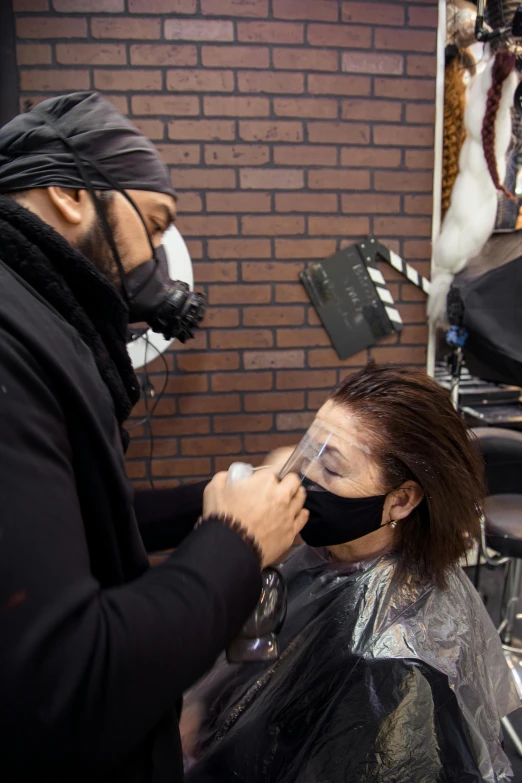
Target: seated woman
x,y
390,668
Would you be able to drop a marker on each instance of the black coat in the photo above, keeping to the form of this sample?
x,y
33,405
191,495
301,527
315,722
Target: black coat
x,y
96,648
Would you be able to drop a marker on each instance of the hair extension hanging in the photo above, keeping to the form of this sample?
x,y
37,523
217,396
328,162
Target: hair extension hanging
x,y
502,67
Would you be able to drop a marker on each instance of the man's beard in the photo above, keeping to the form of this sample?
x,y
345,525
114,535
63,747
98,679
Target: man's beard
x,y
94,245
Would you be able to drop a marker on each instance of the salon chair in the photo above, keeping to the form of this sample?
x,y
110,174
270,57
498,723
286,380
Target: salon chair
x,y
502,533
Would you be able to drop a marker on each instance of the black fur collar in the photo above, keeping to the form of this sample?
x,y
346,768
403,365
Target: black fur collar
x,y
77,290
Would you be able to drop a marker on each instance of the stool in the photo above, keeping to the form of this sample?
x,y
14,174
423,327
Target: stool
x,y
502,532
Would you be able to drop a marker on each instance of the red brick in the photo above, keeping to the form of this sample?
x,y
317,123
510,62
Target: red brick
x,y
294,421
198,80
409,293
163,54
33,54
54,80
153,129
162,6
413,313
270,32
291,292
202,130
417,249
409,89
125,28
417,65
273,225
135,469
400,355
382,111
195,248
406,181
340,226
313,318
370,13
239,294
236,106
402,226
198,343
189,202
221,318
419,159
305,379
199,30
181,426
339,133
271,179
177,105
370,157
238,202
308,10
418,205
214,179
405,40
328,84
235,56
303,154
415,335
373,62
273,316
305,107
272,82
341,36
51,27
131,80
262,360
207,362
91,54
403,136
217,403
242,381
258,8
275,401
338,179
242,424
25,6
216,272
316,399
305,59
327,357
89,6
209,225
304,248
239,248
184,466
260,271
371,203
236,154
241,338
194,447
266,443
423,17
187,384
142,448
421,113
302,338
281,131
306,202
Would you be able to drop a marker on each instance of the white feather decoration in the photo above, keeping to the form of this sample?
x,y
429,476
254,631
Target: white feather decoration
x,y
470,219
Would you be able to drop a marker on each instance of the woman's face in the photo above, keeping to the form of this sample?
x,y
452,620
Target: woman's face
x,y
346,467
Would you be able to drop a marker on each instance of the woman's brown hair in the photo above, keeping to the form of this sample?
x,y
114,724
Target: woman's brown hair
x,y
417,435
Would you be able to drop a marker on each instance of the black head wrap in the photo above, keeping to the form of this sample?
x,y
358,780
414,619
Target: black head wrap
x,y
35,148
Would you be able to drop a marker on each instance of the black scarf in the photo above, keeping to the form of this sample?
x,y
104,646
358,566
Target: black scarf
x,y
78,291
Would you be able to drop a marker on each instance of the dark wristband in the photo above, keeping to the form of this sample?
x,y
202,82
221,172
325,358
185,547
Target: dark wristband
x,y
238,528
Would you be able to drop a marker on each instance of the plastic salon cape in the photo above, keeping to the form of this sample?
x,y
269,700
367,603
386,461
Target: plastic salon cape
x,y
376,683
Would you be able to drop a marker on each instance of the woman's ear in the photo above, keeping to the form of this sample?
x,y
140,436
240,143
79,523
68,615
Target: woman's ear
x,y
402,501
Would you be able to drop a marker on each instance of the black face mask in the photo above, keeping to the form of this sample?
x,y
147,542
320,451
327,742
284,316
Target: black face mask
x,y
337,520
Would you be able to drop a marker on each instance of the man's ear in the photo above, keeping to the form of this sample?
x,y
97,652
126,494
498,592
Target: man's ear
x,y
402,501
72,205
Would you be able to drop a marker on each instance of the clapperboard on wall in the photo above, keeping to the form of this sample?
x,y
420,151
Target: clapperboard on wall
x,y
351,297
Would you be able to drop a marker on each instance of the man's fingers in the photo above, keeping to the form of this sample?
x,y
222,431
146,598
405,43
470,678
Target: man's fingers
x,y
290,485
301,520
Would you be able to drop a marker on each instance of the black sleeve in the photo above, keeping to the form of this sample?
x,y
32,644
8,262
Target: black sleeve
x,y
166,516
88,672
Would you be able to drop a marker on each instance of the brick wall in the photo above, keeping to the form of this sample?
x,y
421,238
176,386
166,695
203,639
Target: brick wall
x,y
291,127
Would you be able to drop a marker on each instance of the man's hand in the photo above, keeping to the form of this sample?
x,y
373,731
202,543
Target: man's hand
x,y
270,510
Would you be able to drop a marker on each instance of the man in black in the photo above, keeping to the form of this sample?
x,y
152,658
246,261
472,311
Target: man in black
x,y
96,649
